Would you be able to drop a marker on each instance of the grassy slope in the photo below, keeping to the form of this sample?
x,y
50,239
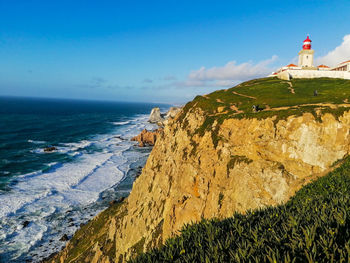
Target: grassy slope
x,y
314,226
272,94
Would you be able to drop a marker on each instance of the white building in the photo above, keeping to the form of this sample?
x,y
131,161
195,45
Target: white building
x,y
344,66
306,69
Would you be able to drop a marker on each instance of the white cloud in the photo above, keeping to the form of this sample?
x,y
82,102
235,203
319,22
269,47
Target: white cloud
x,y
229,74
338,55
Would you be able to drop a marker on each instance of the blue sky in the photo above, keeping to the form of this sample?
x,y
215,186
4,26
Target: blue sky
x,y
158,51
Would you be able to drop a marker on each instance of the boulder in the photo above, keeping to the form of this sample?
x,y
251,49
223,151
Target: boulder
x,y
64,238
147,138
26,223
50,149
155,116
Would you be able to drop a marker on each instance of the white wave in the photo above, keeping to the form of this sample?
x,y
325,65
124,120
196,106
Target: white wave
x,y
75,154
39,150
44,198
121,122
52,164
74,146
27,192
36,142
67,147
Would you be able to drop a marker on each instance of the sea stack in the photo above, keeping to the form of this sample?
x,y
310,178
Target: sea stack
x,y
155,116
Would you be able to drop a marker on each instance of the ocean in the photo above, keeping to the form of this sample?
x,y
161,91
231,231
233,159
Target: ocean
x,y
45,196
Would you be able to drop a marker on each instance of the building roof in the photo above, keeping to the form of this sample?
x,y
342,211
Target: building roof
x,y
322,66
291,65
348,61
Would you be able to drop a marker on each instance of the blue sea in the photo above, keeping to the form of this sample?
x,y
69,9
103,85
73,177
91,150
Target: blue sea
x,y
47,195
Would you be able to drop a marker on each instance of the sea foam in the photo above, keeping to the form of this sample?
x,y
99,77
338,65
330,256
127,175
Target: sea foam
x,y
43,206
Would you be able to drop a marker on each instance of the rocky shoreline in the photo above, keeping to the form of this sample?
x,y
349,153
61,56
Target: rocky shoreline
x,y
149,138
161,119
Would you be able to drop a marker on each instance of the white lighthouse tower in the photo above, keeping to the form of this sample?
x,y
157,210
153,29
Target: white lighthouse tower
x,y
306,55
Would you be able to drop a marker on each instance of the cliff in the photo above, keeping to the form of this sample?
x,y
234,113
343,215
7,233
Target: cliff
x,y
217,156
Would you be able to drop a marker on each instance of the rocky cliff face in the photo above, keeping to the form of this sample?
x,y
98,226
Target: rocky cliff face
x,y
155,116
147,138
238,165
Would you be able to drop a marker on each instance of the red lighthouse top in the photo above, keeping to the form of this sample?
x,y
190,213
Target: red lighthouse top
x,y
307,43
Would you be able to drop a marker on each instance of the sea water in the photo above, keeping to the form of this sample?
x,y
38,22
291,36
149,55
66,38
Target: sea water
x,y
47,195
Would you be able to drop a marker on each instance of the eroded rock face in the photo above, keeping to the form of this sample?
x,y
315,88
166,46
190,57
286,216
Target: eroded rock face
x,y
155,116
172,112
255,163
147,138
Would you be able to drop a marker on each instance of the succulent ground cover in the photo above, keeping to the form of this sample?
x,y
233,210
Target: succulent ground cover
x,y
313,226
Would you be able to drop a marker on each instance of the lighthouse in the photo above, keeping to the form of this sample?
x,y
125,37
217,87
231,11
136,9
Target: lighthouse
x,y
306,55
306,69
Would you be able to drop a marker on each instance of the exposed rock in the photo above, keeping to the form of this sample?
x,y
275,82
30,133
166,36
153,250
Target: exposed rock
x,y
186,174
172,112
187,177
50,149
147,138
64,238
161,119
26,223
112,202
155,116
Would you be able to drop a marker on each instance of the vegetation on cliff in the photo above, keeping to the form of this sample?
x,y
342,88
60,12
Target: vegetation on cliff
x,y
314,226
271,97
218,156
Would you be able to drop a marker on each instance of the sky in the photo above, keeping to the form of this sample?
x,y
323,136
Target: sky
x,y
158,50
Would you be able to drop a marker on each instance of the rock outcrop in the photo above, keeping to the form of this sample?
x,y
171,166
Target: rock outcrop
x,y
50,149
238,165
155,116
172,112
162,119
147,138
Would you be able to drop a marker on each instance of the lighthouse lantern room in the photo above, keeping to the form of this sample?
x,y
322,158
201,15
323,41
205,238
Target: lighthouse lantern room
x,y
306,55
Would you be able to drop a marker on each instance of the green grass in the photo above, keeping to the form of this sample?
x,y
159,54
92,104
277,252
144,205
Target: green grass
x,y
314,226
268,93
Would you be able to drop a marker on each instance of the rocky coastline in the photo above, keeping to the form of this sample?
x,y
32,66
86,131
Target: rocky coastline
x,y
149,138
215,158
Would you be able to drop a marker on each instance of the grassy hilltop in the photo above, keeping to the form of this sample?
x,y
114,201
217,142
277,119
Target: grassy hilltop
x,y
274,97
